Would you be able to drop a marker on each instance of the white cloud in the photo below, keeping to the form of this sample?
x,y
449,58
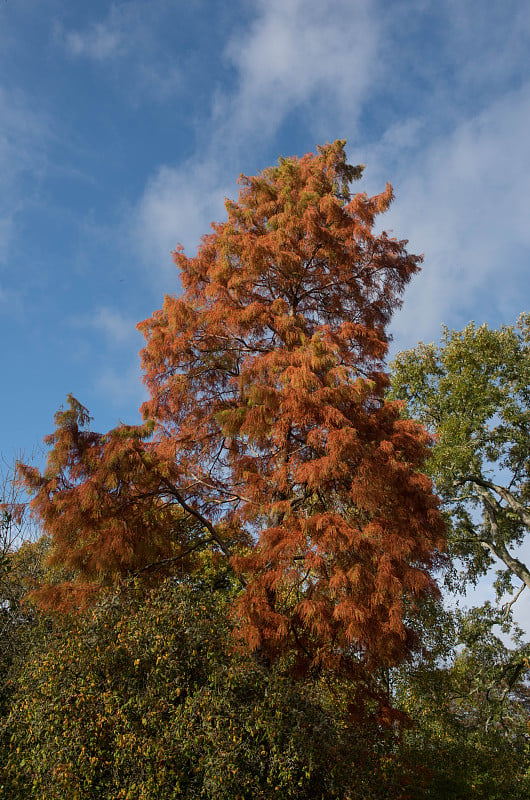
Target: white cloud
x,y
459,175
117,328
23,136
464,202
301,55
99,42
295,56
122,386
475,33
126,42
178,206
116,35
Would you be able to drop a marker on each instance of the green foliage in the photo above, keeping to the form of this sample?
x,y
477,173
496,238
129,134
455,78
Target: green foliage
x,y
150,696
467,741
473,394
5,524
22,568
470,699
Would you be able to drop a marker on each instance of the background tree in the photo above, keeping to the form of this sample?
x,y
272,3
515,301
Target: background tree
x,y
15,522
473,393
20,571
148,696
267,425
469,731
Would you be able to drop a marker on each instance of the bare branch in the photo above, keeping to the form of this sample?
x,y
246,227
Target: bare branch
x,y
522,512
165,561
496,544
207,524
507,606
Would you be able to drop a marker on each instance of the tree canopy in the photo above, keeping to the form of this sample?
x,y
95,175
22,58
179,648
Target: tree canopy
x,y
251,570
148,695
473,393
267,435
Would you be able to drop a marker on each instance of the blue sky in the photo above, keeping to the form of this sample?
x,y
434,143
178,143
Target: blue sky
x,y
123,125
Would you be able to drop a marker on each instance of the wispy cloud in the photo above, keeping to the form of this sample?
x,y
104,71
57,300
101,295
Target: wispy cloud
x,y
118,377
463,201
117,328
23,136
99,42
122,386
177,206
487,49
296,57
301,57
116,35
126,42
458,152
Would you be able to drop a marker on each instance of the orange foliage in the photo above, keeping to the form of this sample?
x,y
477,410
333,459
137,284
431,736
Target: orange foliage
x,y
269,420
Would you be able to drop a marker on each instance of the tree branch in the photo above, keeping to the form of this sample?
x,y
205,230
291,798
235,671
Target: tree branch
x,y
495,543
164,561
522,512
507,606
207,524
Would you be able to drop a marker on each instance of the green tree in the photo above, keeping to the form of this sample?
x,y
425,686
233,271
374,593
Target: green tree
x,y
149,695
21,570
472,392
468,736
